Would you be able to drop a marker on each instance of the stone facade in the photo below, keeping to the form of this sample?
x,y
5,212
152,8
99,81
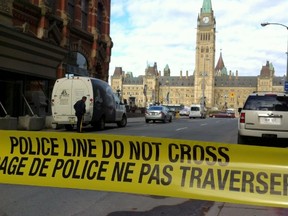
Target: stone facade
x,y
209,84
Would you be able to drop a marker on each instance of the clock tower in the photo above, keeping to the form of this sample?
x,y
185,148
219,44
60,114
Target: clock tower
x,y
205,56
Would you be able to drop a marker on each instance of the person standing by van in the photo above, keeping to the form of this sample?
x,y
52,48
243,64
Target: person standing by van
x,y
80,109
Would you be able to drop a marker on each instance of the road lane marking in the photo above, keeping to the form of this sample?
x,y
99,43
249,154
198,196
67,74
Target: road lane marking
x,y
184,128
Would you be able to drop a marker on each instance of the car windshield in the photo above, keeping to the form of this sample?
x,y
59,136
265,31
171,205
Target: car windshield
x,y
195,108
155,108
267,102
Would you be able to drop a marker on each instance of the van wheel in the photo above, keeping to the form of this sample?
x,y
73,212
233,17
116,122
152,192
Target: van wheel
x,y
100,125
69,127
123,121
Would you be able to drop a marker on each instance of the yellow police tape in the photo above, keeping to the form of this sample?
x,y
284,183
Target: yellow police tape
x,y
146,165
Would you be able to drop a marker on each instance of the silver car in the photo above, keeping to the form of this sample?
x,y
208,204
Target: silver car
x,y
265,116
184,112
158,113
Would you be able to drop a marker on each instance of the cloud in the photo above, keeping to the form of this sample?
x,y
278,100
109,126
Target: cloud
x,y
165,32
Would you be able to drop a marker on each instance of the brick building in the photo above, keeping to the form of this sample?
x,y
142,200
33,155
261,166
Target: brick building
x,y
41,41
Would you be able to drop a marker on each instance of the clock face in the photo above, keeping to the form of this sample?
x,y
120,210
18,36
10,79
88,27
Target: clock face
x,y
205,19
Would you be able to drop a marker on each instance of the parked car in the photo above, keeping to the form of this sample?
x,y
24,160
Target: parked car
x,y
197,111
264,115
184,112
158,113
174,107
172,111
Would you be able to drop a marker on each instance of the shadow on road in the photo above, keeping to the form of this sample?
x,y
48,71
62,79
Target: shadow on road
x,y
189,208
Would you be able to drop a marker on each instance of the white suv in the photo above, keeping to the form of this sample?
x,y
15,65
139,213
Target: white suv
x,y
264,115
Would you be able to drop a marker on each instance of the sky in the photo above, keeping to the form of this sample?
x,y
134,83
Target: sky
x,y
164,31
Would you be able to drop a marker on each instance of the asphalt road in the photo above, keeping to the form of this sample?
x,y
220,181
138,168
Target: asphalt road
x,y
210,129
18,200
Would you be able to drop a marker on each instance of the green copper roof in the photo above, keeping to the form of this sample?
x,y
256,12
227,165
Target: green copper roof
x,y
271,67
166,68
207,6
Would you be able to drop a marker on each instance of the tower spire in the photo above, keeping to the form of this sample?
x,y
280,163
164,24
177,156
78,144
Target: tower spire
x,y
206,7
220,68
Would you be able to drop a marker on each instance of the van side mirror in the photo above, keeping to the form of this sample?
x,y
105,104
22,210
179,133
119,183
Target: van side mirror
x,y
240,109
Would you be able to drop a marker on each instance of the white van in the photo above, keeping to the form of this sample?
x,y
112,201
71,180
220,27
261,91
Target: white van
x,y
197,111
102,105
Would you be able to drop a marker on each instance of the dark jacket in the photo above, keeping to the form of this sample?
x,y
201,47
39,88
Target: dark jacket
x,y
80,107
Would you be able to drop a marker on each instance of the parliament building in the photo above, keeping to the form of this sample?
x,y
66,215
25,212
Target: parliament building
x,y
210,83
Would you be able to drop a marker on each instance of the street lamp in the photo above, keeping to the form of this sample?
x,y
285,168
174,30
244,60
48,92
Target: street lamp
x,y
225,104
265,24
159,84
203,85
168,91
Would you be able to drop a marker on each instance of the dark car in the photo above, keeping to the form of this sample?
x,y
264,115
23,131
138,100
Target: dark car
x,y
224,114
158,113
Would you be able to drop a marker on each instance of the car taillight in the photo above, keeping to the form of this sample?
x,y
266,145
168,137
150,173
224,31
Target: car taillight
x,y
242,118
162,113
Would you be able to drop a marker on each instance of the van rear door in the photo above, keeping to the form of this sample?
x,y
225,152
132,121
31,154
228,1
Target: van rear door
x,y
65,94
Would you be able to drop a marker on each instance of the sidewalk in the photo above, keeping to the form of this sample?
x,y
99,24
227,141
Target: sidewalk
x,y
228,209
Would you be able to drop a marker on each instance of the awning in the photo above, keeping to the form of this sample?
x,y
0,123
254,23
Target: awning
x,y
25,54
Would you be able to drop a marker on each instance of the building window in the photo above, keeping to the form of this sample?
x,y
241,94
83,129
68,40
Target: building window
x,y
78,60
77,64
71,8
52,5
81,61
84,14
99,18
